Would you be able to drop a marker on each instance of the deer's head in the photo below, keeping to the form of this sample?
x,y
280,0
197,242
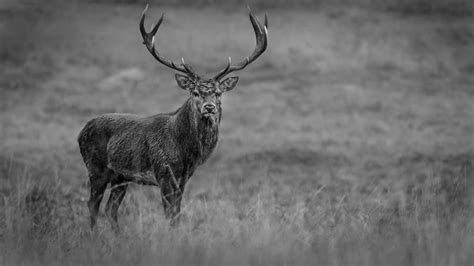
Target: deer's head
x,y
206,93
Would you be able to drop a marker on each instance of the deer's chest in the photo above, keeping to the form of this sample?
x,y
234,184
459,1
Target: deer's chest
x,y
207,138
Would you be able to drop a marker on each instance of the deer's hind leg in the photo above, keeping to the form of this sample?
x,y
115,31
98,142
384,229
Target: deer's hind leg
x,y
117,193
99,178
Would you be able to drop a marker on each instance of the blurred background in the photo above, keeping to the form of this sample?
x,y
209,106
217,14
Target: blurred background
x,y
349,141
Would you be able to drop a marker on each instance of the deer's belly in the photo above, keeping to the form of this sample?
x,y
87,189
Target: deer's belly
x,y
146,177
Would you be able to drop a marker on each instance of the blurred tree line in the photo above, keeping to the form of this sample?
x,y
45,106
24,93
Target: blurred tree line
x,y
414,7
448,7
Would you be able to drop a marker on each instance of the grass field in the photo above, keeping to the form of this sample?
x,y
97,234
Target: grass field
x,y
349,142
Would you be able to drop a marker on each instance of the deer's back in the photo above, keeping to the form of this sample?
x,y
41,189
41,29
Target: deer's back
x,y
118,140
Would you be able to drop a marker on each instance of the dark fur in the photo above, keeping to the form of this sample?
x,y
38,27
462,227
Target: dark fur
x,y
161,150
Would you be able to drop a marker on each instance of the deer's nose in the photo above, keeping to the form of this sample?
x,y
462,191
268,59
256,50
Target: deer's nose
x,y
209,107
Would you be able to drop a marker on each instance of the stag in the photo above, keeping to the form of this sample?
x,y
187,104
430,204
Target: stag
x,y
161,150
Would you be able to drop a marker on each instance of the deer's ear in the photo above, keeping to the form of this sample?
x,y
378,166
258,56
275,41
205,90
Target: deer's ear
x,y
229,83
183,81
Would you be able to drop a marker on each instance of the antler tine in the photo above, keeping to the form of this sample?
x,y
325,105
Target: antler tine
x,y
228,65
187,67
149,42
261,33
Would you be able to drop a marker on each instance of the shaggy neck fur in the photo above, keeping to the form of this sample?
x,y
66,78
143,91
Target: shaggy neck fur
x,y
196,135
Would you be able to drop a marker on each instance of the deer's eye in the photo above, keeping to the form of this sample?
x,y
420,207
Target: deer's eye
x,y
195,94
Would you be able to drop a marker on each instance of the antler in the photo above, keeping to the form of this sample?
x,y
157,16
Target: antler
x,y
261,33
149,42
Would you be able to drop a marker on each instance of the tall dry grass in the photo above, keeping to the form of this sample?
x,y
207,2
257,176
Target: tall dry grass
x,y
425,221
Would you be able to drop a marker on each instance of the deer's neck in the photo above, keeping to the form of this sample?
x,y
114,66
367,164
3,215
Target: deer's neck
x,y
196,135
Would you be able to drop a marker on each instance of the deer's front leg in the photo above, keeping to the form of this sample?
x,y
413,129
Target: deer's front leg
x,y
171,195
